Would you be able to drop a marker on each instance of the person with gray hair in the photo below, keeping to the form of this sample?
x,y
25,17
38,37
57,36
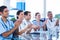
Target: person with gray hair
x,y
51,24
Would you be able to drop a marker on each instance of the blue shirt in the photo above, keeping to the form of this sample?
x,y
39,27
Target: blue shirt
x,y
36,23
4,27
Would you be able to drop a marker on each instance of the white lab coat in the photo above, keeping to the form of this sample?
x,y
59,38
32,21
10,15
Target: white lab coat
x,y
23,25
51,26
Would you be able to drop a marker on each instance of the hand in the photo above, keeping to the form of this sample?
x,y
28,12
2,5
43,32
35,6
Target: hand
x,y
18,22
35,27
38,27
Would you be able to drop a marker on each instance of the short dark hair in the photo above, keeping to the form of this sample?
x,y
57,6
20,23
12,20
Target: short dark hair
x,y
18,12
2,8
37,13
26,12
49,11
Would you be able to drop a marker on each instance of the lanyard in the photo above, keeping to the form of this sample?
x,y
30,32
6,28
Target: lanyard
x,y
4,25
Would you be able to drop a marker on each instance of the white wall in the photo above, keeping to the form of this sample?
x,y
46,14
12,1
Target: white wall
x,y
54,6
34,6
37,6
1,2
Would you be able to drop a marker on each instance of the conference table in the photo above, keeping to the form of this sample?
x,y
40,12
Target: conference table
x,y
38,35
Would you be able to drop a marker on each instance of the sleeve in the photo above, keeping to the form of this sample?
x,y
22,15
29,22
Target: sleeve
x,y
34,22
42,23
22,26
12,24
2,30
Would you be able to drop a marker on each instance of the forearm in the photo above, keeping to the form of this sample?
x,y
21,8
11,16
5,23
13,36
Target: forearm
x,y
57,23
22,31
6,34
28,31
25,29
44,27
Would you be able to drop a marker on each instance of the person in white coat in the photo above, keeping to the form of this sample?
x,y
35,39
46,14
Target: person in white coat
x,y
52,25
26,22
